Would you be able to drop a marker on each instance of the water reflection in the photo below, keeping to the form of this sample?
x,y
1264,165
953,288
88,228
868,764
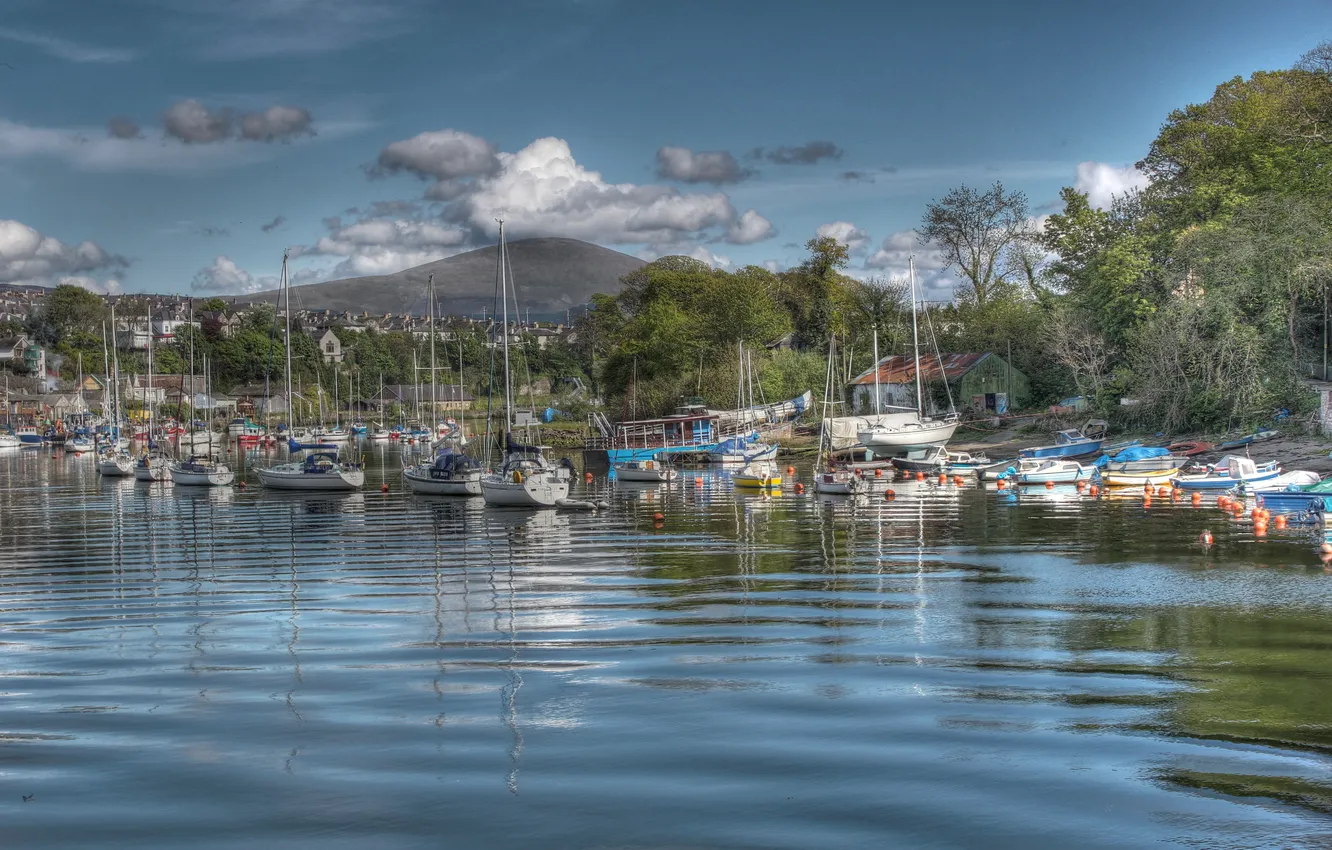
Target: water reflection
x,y
789,671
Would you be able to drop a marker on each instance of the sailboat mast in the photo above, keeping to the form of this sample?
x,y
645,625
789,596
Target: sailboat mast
x,y
915,336
115,381
434,393
148,395
286,289
504,329
878,396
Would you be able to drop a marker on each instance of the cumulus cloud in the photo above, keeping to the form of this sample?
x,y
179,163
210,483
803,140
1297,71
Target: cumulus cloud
x,y
224,276
750,228
276,123
122,128
277,222
857,176
1103,182
845,232
383,246
697,252
773,266
193,123
110,286
893,257
68,50
28,257
806,154
714,167
442,154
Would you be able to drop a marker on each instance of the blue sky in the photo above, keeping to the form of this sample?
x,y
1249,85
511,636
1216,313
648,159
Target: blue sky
x,y
371,135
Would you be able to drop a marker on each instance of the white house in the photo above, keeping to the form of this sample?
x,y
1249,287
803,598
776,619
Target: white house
x,y
330,346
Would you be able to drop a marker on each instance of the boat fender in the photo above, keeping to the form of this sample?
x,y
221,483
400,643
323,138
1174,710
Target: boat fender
x,y
517,476
575,504
603,505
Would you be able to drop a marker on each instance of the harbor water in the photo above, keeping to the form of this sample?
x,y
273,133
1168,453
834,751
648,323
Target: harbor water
x,y
955,667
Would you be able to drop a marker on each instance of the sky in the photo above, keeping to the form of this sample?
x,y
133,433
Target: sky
x,y
181,146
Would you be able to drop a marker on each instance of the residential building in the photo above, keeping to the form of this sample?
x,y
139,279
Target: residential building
x,y
329,346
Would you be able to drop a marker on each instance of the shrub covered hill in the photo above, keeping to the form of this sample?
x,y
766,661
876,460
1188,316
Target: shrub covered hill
x,y
552,275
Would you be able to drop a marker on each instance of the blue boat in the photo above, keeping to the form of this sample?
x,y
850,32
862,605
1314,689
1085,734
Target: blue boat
x,y
294,446
1068,444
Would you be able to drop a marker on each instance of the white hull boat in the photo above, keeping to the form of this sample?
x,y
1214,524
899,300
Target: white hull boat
x,y
115,466
461,484
920,434
195,473
541,488
151,469
650,471
9,441
319,471
840,482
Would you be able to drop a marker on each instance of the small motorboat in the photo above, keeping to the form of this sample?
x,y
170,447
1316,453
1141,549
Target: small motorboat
x,y
840,482
1051,471
651,471
760,475
742,450
1305,502
1139,479
1072,442
1227,473
1249,439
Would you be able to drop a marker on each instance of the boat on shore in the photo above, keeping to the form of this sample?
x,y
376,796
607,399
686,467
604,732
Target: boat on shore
x,y
1071,442
1138,479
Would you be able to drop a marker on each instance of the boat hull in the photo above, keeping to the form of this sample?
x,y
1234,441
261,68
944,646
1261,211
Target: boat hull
x,y
115,467
466,484
338,480
655,475
1138,479
202,478
1064,451
1057,476
839,483
154,471
914,435
1296,503
533,491
1220,482
766,453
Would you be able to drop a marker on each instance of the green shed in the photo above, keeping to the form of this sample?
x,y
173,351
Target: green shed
x,y
979,382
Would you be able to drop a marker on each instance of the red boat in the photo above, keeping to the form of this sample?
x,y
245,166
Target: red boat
x,y
1189,448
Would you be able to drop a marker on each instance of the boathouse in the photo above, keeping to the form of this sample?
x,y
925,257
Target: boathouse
x,y
982,383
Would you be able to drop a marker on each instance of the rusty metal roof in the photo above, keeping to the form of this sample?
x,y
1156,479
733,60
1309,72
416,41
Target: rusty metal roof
x,y
901,368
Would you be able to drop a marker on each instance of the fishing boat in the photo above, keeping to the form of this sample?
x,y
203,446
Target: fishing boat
x,y
9,440
320,470
761,475
1071,443
939,459
29,436
651,471
244,430
915,432
379,435
1227,473
526,478
1050,471
151,466
200,472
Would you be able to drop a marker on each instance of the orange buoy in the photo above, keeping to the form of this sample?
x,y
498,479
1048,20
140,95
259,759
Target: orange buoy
x,y
698,481
1205,538
1146,501
1001,485
1095,490
1082,485
587,477
799,488
920,476
1163,491
942,478
1326,548
658,517
1260,529
1147,487
1197,499
1221,501
1049,485
1279,521
889,495
790,470
878,473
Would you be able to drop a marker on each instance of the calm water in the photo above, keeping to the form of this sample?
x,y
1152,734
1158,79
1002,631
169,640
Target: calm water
x,y
953,668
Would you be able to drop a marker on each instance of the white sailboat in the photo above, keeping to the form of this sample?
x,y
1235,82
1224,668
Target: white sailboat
x,y
202,470
910,432
828,478
450,473
744,448
526,479
115,461
321,470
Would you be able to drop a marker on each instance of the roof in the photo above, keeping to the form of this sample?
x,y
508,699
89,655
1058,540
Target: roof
x,y
408,392
900,369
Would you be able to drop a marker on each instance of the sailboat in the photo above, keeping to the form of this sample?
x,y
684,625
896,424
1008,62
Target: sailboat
x,y
526,479
744,447
320,470
152,464
202,470
913,433
114,461
450,473
827,477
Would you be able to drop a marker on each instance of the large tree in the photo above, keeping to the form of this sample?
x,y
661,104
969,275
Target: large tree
x,y
978,233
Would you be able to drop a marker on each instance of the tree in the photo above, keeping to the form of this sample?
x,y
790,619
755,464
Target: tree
x,y
71,309
976,231
811,297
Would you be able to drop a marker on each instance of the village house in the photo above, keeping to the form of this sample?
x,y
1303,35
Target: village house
x,y
979,382
329,345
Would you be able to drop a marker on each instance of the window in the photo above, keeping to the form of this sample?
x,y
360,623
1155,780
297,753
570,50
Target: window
x,y
328,347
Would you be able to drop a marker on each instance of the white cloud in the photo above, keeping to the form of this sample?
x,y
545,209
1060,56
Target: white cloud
x,y
893,257
276,123
241,30
94,149
1103,182
854,238
773,266
542,191
67,50
442,154
697,252
750,228
28,257
101,287
224,276
385,246
685,165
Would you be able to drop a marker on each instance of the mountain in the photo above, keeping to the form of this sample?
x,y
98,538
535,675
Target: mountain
x,y
551,275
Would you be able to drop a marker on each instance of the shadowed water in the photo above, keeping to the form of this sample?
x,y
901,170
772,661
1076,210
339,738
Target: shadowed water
x,y
953,668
